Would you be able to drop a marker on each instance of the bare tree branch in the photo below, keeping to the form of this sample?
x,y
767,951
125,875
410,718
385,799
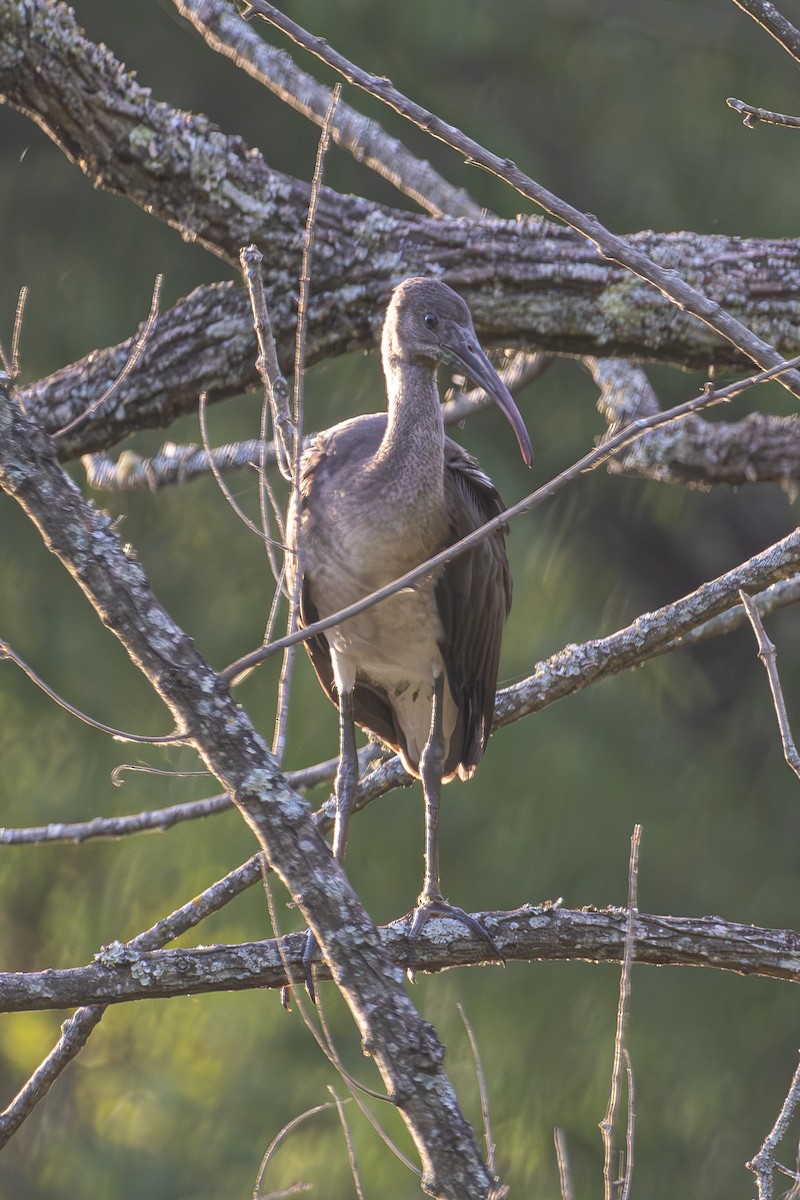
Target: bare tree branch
x,y
758,448
665,279
764,1164
574,667
768,656
546,933
549,288
529,285
77,1030
225,32
405,1049
753,116
767,16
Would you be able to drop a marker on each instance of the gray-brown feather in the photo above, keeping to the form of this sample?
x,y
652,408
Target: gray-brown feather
x,y
473,593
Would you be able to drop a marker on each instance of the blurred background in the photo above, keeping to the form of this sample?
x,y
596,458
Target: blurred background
x,y
619,108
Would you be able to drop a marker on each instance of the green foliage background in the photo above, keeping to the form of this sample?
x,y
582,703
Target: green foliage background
x,y
620,108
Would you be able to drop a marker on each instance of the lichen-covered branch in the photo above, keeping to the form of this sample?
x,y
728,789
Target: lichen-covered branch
x,y
760,448
544,933
224,30
404,1048
666,278
531,284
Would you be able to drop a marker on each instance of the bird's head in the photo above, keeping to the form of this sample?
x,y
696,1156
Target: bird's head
x,y
428,323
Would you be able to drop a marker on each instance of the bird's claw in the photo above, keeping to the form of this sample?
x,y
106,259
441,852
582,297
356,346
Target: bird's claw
x,y
308,966
436,906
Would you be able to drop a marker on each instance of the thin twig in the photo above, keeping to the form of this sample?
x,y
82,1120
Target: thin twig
x,y
589,462
615,1187
134,357
279,1137
220,482
763,1164
768,656
348,1141
11,363
293,532
16,337
615,249
119,735
630,1127
752,116
77,1030
564,1169
272,378
274,401
483,1092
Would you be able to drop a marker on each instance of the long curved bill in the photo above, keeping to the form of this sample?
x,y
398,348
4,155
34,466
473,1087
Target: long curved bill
x,y
477,366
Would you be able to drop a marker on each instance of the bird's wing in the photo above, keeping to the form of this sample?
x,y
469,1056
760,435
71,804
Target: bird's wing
x,y
371,709
329,452
473,594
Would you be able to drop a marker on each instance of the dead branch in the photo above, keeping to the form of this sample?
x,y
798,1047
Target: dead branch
x,y
549,288
768,656
225,32
78,1029
752,116
615,1188
404,1049
764,1164
574,667
666,279
758,448
767,16
544,933
529,285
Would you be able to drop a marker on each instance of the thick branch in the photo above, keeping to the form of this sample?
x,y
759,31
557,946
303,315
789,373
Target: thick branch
x,y
544,934
759,448
529,284
225,31
405,1048
665,277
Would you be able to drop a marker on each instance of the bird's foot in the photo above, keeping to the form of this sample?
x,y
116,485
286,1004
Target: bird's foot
x,y
308,966
437,906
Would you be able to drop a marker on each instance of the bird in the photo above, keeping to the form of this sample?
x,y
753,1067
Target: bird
x,y
377,496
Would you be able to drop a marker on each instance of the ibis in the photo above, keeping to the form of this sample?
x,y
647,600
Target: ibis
x,y
378,495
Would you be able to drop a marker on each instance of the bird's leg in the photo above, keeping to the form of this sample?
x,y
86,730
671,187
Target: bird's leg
x,y
431,902
431,770
346,774
345,791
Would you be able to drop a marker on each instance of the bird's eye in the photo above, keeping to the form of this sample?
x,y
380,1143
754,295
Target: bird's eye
x,y
431,320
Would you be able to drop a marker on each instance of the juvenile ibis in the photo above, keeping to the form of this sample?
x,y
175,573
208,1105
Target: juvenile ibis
x,y
379,495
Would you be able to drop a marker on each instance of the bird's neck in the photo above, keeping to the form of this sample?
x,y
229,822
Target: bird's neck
x,y
414,438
